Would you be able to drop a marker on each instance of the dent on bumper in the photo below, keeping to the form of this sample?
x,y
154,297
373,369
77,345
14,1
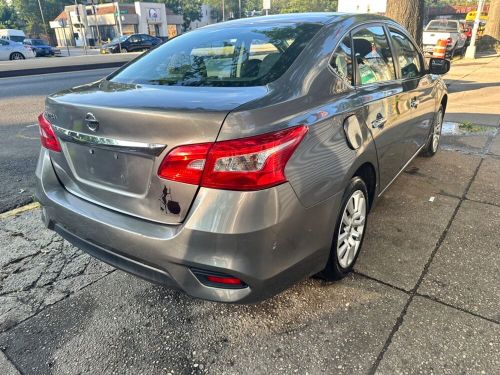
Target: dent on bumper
x,y
266,238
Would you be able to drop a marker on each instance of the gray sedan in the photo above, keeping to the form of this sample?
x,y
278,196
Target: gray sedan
x,y
240,158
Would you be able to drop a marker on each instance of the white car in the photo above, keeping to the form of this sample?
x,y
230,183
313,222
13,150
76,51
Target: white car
x,y
450,30
10,50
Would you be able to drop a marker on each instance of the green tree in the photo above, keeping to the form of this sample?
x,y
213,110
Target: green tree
x,y
29,13
189,9
9,18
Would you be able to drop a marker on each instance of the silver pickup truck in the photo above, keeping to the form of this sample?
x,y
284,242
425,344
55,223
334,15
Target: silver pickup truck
x,y
450,30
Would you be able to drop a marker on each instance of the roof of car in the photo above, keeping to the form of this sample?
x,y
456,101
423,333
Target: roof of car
x,y
316,17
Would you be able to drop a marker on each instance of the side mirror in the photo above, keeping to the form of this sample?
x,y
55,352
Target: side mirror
x,y
439,66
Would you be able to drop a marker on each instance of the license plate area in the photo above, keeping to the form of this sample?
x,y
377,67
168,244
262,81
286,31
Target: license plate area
x,y
109,169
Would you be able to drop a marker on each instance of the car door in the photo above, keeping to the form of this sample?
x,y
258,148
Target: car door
x,y
415,104
134,43
146,41
377,91
5,50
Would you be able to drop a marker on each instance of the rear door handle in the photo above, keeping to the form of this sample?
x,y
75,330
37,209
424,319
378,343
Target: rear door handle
x,y
413,102
379,122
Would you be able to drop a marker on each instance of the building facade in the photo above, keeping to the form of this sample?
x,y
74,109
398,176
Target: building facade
x,y
91,24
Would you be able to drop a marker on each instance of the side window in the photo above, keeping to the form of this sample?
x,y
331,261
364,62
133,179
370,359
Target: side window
x,y
3,43
373,56
341,61
407,55
135,39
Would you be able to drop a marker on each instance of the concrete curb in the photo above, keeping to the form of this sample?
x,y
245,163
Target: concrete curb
x,y
59,69
19,210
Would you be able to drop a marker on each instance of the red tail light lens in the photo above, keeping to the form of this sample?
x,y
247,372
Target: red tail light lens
x,y
185,163
252,163
47,136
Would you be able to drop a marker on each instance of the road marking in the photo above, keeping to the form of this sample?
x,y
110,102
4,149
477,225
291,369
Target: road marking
x,y
19,135
19,210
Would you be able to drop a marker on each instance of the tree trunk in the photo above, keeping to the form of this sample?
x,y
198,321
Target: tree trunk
x,y
410,14
491,36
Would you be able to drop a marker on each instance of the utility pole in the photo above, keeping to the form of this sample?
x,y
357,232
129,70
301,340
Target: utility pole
x,y
223,14
119,20
94,10
471,50
239,8
79,19
43,18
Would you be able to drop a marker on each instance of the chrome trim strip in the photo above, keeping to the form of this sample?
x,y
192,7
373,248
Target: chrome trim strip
x,y
402,169
131,147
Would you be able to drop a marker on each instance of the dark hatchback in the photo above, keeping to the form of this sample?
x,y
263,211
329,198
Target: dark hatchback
x,y
131,43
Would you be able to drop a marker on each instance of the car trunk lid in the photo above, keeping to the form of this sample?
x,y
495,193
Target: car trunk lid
x,y
114,136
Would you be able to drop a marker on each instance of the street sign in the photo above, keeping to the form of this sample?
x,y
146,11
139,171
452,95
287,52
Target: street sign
x,y
266,4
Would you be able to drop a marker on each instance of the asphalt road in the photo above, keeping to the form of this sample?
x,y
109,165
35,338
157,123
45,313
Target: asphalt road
x,y
21,100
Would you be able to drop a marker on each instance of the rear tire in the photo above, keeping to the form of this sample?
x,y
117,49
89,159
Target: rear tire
x,y
432,144
349,231
17,56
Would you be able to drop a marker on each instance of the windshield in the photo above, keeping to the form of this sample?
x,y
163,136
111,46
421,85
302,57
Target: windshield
x,y
38,42
442,26
16,38
234,56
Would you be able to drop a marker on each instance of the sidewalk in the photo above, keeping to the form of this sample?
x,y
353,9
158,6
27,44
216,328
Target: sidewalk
x,y
474,91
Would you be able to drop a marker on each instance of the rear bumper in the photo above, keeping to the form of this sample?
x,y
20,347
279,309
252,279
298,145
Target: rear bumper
x,y
265,238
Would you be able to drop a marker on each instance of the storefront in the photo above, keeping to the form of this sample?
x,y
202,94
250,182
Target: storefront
x,y
105,22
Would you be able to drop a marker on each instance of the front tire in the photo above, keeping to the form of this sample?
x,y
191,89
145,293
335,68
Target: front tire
x,y
349,231
432,144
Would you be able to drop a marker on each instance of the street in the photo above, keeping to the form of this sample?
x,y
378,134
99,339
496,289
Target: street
x,y
21,101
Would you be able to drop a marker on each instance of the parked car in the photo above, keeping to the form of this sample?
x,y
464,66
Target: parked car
x,y
131,43
12,35
450,30
40,47
10,50
242,157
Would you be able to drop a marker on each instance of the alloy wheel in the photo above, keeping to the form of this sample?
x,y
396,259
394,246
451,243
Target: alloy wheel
x,y
436,132
351,229
17,56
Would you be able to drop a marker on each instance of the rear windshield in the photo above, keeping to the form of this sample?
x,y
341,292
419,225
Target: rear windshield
x,y
442,26
234,56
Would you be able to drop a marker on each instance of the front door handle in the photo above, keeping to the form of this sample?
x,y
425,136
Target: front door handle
x,y
379,122
413,102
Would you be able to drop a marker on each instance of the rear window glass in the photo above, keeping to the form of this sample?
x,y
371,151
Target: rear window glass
x,y
243,56
443,25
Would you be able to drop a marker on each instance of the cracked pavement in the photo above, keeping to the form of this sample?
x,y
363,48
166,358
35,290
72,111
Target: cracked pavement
x,y
38,268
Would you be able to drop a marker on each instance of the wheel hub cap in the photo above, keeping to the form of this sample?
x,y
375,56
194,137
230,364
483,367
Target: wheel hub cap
x,y
351,229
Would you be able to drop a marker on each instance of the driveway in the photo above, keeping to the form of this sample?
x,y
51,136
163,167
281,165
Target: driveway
x,y
424,297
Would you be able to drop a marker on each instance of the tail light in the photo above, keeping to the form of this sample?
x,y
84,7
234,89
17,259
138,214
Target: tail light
x,y
449,41
47,136
252,163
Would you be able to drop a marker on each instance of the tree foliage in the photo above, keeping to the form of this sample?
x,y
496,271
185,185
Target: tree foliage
x,y
189,9
9,18
29,17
